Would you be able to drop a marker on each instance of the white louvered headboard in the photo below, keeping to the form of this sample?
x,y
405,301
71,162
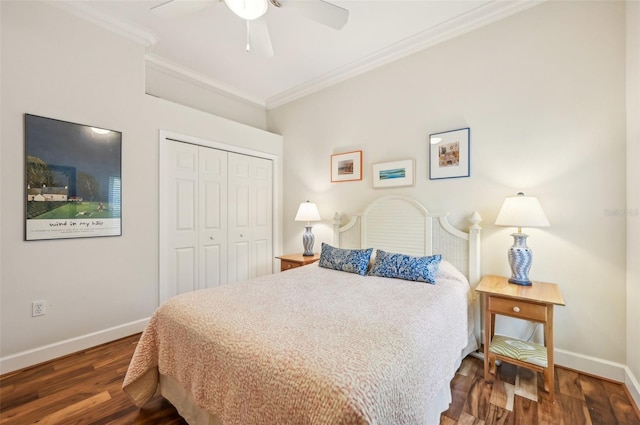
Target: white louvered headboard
x,y
397,223
401,224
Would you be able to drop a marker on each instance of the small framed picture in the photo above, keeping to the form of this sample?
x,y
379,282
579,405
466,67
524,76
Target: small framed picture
x,y
346,166
393,174
449,154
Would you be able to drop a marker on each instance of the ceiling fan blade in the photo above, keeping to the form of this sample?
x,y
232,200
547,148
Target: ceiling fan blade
x,y
322,12
258,39
178,8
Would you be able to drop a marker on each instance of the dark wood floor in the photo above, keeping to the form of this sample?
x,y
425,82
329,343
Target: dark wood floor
x,y
85,388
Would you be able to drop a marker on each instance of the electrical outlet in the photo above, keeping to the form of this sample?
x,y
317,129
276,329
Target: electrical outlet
x,y
38,308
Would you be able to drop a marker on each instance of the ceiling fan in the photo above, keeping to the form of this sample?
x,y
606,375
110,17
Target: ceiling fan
x,y
253,12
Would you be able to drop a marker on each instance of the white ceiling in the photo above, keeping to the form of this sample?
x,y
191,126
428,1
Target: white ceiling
x,y
209,45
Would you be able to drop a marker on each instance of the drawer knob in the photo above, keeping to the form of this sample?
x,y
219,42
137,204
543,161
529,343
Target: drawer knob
x,y
516,309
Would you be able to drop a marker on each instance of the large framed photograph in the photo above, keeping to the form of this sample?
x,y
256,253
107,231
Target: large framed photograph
x,y
393,174
73,182
346,166
449,154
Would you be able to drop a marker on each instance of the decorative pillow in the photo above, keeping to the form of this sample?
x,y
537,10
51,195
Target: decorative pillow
x,y
401,266
347,260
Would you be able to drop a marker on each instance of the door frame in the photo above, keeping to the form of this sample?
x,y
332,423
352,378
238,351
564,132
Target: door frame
x,y
169,136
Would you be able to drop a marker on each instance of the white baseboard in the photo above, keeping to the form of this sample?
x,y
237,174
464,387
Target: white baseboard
x,y
49,352
633,386
599,367
591,365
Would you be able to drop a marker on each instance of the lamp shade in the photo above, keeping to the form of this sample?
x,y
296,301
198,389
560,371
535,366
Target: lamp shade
x,y
521,211
308,211
248,9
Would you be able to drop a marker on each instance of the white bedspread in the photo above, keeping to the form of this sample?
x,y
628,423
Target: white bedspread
x,y
308,346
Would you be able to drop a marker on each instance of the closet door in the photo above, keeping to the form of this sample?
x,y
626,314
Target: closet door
x,y
250,216
182,218
196,211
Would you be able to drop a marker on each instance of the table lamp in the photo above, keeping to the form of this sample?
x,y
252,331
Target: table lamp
x,y
308,212
521,211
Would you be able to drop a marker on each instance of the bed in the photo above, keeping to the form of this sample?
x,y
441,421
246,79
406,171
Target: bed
x,y
321,345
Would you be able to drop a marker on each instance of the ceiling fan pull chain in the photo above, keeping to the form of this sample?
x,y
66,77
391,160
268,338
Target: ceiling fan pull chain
x,y
248,37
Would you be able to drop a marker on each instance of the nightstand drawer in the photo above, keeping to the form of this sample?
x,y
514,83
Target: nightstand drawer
x,y
518,308
288,265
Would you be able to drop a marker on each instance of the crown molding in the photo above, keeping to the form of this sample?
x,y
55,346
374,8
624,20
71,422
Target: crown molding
x,y
481,16
476,18
118,26
147,39
171,68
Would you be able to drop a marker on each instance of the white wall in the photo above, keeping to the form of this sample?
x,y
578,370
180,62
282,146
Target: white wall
x,y
633,192
544,95
56,65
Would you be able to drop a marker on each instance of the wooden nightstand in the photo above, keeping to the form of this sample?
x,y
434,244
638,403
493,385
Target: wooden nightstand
x,y
291,261
534,303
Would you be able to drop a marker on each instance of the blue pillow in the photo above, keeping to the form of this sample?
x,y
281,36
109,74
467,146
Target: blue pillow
x,y
347,260
400,266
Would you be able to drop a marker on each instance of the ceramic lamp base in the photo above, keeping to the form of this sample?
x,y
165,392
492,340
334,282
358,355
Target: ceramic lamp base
x,y
520,256
307,241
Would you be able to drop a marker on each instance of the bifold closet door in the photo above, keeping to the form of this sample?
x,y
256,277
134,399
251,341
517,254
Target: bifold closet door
x,y
182,214
196,209
250,216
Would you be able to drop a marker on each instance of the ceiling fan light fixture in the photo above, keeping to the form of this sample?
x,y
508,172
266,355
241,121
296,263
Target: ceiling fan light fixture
x,y
248,9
